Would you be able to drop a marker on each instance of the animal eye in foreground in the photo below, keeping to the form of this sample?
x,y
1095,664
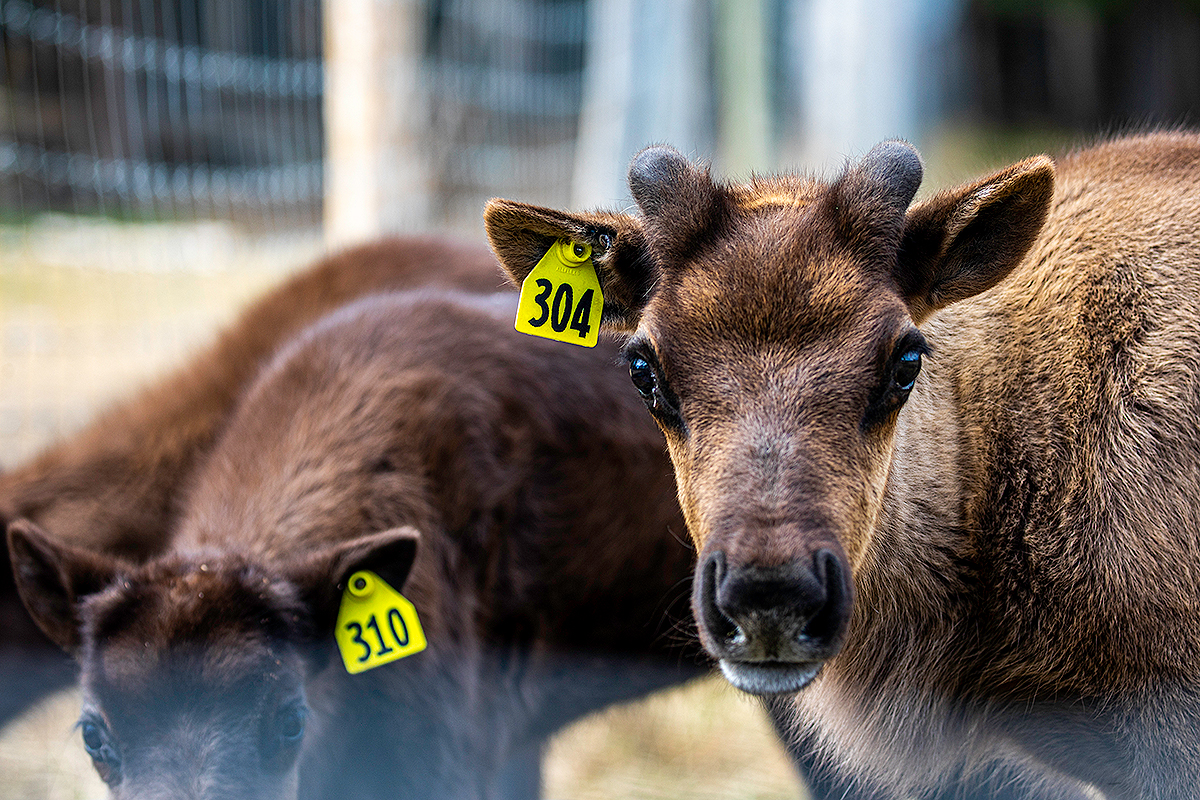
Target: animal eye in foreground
x,y
907,369
643,377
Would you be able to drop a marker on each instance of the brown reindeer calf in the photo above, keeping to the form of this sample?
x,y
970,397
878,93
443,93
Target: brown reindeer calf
x,y
941,461
114,486
542,505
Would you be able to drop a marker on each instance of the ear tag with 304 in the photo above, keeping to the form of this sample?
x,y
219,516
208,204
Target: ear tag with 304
x,y
561,298
376,624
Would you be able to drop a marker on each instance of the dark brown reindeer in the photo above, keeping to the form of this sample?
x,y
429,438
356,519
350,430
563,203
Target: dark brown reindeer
x,y
114,486
538,501
940,460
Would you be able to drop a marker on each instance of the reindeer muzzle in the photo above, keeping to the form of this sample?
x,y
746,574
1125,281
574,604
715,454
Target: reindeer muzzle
x,y
772,628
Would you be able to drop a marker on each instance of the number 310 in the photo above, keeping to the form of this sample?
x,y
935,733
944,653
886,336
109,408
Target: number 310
x,y
400,637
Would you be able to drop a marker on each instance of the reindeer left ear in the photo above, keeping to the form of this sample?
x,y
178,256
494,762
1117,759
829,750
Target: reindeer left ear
x,y
321,576
521,234
53,578
966,240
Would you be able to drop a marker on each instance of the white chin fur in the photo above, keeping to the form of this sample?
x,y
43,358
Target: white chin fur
x,y
770,678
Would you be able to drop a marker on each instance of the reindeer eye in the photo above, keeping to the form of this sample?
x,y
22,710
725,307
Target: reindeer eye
x,y
643,377
92,739
290,723
99,745
658,397
282,733
907,369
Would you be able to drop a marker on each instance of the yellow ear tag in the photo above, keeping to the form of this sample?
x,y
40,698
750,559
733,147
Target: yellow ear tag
x,y
376,624
561,298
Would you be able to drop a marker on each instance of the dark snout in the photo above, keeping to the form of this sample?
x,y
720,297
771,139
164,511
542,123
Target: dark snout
x,y
772,627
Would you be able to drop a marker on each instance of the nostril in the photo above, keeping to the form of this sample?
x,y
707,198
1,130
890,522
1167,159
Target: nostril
x,y
719,624
829,619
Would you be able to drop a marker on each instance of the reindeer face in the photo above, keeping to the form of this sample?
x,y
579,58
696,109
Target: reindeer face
x,y
193,667
193,682
781,456
775,341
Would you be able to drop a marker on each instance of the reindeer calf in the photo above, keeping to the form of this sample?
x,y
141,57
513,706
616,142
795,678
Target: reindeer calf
x,y
529,498
115,485
940,460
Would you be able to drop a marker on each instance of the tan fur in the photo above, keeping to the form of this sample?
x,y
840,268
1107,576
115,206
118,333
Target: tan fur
x,y
1022,533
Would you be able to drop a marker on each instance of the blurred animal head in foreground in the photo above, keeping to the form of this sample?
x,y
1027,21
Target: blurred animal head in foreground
x,y
193,666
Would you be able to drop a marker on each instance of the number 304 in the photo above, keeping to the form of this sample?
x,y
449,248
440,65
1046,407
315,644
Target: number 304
x,y
561,311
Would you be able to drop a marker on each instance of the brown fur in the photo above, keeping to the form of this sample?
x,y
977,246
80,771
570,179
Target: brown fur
x,y
544,569
1020,529
114,485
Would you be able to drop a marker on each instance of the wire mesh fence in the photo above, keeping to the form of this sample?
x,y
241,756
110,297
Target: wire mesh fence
x,y
159,162
174,152
131,109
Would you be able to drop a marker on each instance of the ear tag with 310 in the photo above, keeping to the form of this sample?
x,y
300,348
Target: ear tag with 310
x,y
376,624
561,298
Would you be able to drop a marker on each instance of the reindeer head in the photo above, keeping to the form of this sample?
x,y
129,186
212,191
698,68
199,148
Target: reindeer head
x,y
774,337
193,668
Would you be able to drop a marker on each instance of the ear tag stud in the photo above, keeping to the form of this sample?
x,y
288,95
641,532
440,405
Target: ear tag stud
x,y
376,624
561,298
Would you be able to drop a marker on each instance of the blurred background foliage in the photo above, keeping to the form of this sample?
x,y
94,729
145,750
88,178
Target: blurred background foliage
x,y
162,161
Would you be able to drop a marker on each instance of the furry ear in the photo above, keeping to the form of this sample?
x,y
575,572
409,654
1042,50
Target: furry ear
x,y
321,576
966,240
52,578
520,234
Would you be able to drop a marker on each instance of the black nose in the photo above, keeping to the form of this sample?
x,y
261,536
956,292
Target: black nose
x,y
790,613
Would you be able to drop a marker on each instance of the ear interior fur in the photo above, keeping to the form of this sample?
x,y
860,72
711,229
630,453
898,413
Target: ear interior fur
x,y
52,578
321,576
520,234
966,240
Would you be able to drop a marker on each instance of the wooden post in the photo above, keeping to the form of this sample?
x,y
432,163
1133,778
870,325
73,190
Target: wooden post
x,y
375,179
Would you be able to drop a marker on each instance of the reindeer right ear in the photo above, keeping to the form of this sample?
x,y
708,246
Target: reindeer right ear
x,y
322,574
963,241
53,577
521,234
